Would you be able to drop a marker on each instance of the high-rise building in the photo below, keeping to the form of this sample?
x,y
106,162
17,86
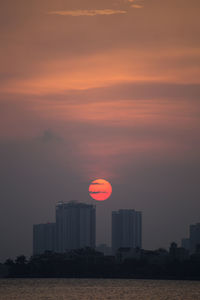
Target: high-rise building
x,y
185,243
75,226
44,238
194,236
126,229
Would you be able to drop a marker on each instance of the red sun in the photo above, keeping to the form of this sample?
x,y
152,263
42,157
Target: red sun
x,y
100,189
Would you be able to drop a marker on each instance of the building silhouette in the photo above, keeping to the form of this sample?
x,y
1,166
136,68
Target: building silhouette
x,y
193,242
185,243
75,226
44,238
126,229
194,237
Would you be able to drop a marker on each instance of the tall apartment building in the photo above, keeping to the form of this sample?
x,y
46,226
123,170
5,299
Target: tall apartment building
x,y
75,226
185,243
194,236
126,229
44,238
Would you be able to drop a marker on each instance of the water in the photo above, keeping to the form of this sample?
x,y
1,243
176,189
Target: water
x,y
93,289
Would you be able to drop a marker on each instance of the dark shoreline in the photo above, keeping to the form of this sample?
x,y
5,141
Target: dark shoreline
x,y
88,263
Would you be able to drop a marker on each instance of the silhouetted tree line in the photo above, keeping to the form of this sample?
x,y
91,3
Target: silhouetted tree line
x,y
91,263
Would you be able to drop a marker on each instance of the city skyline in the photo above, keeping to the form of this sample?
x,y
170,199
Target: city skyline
x,y
75,228
108,242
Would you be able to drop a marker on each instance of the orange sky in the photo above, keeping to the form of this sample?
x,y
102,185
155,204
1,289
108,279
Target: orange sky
x,y
62,62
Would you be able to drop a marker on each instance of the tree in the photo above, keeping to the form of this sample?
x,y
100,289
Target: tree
x,y
21,260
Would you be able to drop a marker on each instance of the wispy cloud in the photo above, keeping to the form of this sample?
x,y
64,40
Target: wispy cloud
x,y
136,3
100,192
96,12
88,12
137,6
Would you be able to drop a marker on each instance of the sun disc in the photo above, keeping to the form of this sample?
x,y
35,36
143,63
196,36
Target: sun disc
x,y
100,189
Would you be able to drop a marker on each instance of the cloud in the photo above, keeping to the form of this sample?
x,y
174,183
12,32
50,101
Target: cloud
x,y
95,12
136,3
87,12
137,6
133,91
100,192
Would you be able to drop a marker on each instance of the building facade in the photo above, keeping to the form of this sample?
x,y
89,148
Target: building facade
x,y
185,243
44,238
126,229
75,226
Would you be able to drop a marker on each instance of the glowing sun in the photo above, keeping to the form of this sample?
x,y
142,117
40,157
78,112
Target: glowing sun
x,y
100,189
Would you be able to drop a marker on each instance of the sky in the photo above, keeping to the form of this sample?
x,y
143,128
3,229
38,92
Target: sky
x,y
99,89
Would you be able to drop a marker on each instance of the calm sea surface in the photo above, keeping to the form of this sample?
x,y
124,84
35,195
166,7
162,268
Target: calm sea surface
x,y
85,289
